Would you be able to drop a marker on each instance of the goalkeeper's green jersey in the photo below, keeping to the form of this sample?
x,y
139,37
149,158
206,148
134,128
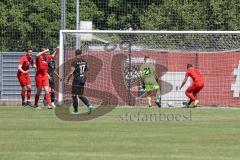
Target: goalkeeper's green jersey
x,y
148,72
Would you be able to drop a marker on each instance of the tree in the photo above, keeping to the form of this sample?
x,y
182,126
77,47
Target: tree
x,y
36,23
28,24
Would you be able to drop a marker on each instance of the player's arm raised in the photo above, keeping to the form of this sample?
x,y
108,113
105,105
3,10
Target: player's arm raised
x,y
55,52
42,52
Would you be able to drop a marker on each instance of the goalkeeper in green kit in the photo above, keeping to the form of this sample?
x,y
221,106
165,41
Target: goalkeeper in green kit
x,y
150,79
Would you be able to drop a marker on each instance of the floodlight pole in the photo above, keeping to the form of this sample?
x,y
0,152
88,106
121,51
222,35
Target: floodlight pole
x,y
77,24
63,14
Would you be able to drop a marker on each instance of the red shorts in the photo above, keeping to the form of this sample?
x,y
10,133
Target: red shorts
x,y
24,80
195,88
42,81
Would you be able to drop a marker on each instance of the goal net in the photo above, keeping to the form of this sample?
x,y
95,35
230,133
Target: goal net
x,y
114,59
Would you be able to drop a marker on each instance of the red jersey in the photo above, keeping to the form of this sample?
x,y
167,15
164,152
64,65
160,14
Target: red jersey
x,y
25,61
194,74
42,65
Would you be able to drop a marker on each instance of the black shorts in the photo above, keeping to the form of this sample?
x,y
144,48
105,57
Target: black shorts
x,y
52,83
77,88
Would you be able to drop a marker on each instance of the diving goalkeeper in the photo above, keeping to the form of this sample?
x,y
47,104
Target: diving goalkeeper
x,y
150,79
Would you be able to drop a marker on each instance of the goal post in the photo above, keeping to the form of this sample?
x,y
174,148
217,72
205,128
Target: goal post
x,y
115,56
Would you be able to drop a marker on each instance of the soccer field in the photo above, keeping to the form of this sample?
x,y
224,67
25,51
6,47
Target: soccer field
x,y
124,133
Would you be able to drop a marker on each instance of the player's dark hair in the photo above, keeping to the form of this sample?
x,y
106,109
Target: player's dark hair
x,y
27,49
146,57
78,52
189,65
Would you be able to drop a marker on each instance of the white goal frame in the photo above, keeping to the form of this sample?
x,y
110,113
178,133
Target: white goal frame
x,y
61,40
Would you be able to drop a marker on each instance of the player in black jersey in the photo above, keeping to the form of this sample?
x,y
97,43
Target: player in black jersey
x,y
51,73
78,71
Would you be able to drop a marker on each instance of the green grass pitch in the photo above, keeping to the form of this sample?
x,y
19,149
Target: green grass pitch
x,y
123,134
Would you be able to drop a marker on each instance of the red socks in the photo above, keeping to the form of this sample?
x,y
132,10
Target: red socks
x,y
36,100
47,98
23,96
29,95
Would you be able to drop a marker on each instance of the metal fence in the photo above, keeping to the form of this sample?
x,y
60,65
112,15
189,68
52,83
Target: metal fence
x,y
10,89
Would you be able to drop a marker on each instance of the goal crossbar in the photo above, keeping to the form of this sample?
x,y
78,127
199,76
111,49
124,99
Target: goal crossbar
x,y
147,32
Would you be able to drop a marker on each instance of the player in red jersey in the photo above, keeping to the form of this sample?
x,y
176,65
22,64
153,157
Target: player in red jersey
x,y
24,76
42,76
196,85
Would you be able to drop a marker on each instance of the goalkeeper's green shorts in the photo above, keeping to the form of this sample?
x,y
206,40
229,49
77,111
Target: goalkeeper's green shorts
x,y
151,86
